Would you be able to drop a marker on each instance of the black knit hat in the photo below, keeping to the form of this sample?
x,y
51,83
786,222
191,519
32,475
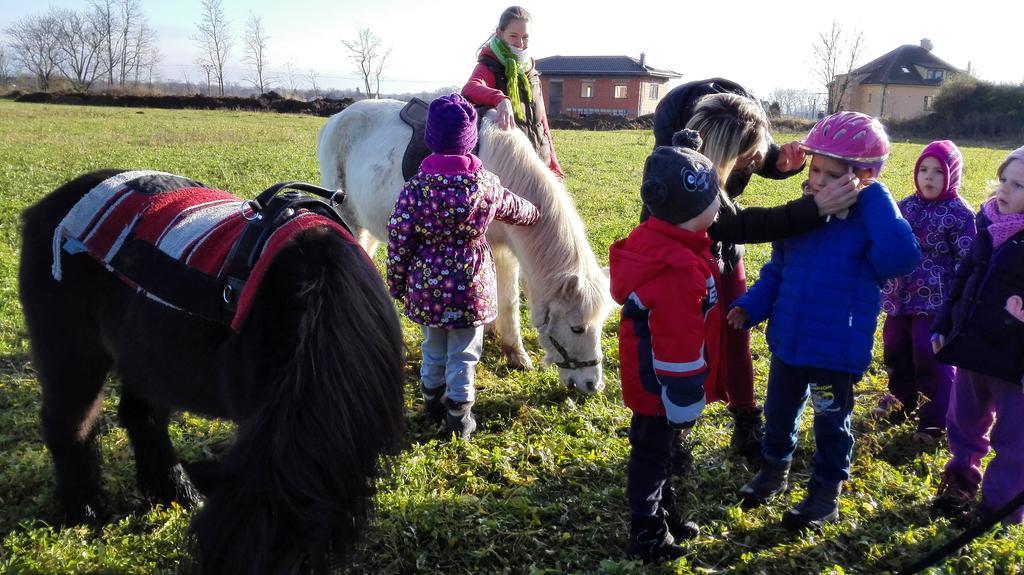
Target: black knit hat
x,y
679,182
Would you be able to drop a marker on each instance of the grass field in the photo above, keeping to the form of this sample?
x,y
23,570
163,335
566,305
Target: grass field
x,y
541,487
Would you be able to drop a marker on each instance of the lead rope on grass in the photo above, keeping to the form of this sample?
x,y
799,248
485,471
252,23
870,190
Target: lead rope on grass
x,y
966,537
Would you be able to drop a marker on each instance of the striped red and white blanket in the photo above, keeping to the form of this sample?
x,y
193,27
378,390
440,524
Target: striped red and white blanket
x,y
169,237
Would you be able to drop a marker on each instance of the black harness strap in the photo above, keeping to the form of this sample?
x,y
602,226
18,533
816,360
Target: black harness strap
x,y
271,210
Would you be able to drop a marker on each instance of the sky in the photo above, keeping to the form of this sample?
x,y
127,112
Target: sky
x,y
762,45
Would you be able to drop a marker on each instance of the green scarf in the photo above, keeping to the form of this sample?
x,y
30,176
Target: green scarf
x,y
514,74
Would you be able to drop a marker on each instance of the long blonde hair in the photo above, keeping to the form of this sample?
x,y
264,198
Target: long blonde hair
x,y
730,126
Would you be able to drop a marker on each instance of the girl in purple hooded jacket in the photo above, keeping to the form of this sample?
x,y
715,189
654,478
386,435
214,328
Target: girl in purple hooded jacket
x,y
944,225
439,262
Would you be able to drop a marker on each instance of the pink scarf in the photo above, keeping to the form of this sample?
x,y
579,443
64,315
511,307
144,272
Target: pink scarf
x,y
1002,226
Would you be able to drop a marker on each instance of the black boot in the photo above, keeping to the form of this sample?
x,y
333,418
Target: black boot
x,y
680,529
955,498
681,463
459,419
747,432
820,505
650,540
770,480
433,405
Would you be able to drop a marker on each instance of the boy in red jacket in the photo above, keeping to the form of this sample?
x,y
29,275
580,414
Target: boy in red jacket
x,y
670,333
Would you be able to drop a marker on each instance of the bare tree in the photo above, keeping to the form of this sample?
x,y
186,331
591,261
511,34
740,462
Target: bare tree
x,y
291,74
793,101
256,51
33,43
208,70
370,58
835,55
380,68
314,81
129,45
114,20
145,54
5,66
80,45
214,40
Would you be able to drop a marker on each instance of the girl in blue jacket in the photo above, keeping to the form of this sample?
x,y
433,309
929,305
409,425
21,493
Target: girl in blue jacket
x,y
820,293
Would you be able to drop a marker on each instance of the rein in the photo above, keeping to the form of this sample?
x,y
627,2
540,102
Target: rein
x,y
966,537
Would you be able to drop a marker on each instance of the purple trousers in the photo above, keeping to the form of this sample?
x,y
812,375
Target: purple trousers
x,y
976,401
910,363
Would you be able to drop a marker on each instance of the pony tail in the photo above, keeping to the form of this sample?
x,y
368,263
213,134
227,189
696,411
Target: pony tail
x,y
301,474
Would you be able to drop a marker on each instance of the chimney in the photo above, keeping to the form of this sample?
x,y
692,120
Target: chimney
x,y
643,58
927,44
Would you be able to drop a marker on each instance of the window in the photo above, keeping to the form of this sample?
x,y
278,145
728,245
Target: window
x,y
587,89
653,92
935,74
869,97
927,103
620,91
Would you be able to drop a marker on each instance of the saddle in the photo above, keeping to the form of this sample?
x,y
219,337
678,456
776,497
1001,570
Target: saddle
x,y
415,115
192,248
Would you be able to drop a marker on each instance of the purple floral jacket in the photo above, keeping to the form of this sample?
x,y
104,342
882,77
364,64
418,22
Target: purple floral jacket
x,y
944,228
439,262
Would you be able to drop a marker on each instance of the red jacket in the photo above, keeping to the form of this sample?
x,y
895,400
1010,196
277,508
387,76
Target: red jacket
x,y
670,331
482,90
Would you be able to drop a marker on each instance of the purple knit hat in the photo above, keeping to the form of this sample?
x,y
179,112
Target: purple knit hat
x,y
451,126
952,162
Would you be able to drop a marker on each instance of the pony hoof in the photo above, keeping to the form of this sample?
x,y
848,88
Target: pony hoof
x,y
518,360
186,492
90,515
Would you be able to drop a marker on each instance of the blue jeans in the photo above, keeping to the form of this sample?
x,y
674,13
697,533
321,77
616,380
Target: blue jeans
x,y
832,399
450,358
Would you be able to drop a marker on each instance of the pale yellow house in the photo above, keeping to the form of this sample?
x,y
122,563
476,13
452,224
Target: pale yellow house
x,y
899,85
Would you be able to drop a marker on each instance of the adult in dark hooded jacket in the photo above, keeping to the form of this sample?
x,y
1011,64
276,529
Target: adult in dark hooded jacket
x,y
736,138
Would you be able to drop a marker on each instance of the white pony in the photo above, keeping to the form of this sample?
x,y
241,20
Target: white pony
x,y
360,151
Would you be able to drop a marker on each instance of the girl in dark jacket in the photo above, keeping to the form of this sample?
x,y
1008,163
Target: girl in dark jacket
x,y
980,330
736,137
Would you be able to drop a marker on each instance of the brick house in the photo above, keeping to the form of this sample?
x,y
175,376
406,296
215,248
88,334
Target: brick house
x,y
899,85
580,86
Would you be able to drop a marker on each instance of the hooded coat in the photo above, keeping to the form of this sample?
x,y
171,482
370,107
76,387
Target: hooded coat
x,y
439,262
944,228
670,331
820,292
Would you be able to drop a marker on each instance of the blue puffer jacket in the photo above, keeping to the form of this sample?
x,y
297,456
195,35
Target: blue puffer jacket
x,y
820,291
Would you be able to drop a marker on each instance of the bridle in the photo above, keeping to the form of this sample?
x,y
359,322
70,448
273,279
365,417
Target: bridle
x,y
568,362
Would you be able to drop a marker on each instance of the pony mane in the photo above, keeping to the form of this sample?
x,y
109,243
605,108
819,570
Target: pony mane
x,y
558,241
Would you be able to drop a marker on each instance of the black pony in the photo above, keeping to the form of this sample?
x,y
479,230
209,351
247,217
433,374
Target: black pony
x,y
314,380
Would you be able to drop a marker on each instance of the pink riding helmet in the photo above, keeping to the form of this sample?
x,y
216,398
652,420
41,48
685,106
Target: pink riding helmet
x,y
852,137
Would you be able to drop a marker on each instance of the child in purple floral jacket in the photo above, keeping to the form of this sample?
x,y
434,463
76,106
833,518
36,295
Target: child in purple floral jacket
x,y
439,262
944,226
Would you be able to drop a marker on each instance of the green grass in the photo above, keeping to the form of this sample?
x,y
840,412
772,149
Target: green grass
x,y
541,487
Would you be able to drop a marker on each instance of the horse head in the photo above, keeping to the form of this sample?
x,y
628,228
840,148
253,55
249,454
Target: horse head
x,y
569,323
